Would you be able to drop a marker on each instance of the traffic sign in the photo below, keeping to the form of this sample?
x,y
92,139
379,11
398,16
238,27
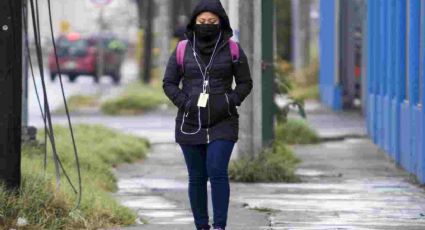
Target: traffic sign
x,y
101,2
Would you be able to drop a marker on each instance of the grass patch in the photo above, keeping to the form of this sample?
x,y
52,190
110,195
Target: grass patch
x,y
77,102
275,164
45,208
83,101
300,85
305,93
296,131
136,99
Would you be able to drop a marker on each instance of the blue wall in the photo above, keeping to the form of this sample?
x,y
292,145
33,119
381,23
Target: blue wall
x,y
395,115
395,77
330,92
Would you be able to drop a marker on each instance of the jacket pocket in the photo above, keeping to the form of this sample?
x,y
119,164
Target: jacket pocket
x,y
228,104
219,108
191,111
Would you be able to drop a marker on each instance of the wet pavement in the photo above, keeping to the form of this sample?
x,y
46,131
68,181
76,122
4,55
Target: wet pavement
x,y
156,189
346,184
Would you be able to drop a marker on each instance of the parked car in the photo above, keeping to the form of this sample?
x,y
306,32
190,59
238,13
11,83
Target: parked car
x,y
80,56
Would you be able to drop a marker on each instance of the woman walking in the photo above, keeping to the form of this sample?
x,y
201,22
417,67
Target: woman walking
x,y
207,121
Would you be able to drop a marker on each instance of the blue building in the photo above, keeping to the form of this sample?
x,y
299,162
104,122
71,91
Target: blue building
x,y
383,42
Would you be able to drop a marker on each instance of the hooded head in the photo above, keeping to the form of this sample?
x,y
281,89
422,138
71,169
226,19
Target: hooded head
x,y
215,7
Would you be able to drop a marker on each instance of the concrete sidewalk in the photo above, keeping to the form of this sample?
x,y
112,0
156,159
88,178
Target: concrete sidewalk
x,y
346,184
331,125
157,190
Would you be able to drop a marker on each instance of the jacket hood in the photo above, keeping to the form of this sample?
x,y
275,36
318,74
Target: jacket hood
x,y
215,7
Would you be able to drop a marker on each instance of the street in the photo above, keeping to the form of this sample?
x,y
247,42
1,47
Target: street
x,y
84,86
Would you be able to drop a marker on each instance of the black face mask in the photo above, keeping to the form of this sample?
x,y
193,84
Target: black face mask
x,y
207,31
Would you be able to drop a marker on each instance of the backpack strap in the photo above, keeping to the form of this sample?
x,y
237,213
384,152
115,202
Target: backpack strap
x,y
234,50
181,50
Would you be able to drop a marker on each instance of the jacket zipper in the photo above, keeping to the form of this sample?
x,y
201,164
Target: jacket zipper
x,y
218,50
228,104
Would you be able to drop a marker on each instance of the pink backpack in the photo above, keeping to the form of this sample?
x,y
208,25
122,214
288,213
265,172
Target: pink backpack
x,y
181,49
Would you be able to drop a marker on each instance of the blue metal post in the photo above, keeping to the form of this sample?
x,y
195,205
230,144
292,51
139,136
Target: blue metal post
x,y
381,74
330,91
387,127
370,67
400,72
414,19
421,157
391,83
414,23
377,70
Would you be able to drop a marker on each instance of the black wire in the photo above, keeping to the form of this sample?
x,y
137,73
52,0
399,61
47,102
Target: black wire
x,y
47,108
66,106
49,134
56,157
37,29
34,82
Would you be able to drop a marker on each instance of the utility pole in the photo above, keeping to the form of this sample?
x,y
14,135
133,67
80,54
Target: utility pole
x,y
164,33
24,74
251,140
10,92
148,44
300,33
267,79
257,112
101,51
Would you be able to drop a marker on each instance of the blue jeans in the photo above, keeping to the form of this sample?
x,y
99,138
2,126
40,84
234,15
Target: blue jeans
x,y
203,162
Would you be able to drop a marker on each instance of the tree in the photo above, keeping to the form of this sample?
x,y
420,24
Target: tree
x,y
284,27
145,17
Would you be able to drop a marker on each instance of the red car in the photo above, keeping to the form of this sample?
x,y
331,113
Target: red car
x,y
81,56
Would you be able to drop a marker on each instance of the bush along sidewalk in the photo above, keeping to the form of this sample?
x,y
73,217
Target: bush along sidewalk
x,y
274,164
78,103
300,85
296,132
136,99
278,162
43,207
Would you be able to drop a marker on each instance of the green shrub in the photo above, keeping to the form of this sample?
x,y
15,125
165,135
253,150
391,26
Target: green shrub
x,y
77,102
137,99
296,131
305,93
276,164
45,208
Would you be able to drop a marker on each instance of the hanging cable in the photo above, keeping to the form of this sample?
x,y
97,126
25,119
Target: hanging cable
x,y
66,107
37,29
34,83
57,161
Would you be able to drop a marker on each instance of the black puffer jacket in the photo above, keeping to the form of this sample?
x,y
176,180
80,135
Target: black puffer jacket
x,y
220,119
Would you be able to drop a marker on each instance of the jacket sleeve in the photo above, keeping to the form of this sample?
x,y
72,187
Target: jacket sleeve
x,y
171,82
243,80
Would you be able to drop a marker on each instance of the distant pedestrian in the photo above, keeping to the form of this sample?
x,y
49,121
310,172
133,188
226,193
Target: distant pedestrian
x,y
180,30
207,121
